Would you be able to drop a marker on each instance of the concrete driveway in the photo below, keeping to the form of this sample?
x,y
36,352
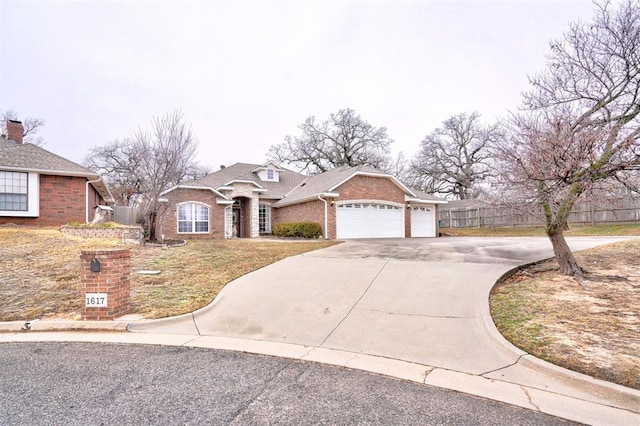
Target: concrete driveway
x,y
416,309
419,300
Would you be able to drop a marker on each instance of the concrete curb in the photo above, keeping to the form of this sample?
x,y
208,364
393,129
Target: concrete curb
x,y
609,393
545,401
61,325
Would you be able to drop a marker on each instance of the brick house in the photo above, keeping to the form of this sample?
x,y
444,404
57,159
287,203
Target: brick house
x,y
38,187
245,200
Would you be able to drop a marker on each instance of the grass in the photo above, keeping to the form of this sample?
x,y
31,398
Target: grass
x,y
591,325
626,229
40,272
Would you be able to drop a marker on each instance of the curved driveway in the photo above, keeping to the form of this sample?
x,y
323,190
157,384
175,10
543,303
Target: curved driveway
x,y
423,302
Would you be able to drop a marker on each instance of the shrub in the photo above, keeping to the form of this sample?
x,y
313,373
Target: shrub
x,y
297,230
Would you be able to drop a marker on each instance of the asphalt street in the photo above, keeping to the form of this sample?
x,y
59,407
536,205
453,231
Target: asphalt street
x,y
99,384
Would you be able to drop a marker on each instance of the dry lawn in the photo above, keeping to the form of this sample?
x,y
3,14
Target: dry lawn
x,y
591,325
40,272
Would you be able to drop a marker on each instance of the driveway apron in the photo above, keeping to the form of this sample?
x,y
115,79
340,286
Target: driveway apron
x,y
418,300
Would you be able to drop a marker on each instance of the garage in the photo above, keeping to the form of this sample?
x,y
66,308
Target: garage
x,y
369,220
423,221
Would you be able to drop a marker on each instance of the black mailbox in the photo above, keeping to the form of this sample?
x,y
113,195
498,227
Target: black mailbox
x,y
95,265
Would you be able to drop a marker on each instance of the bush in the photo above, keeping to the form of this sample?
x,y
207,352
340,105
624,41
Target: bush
x,y
297,230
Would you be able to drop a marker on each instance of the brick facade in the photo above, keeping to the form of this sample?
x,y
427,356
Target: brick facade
x,y
360,188
311,211
370,188
168,220
113,279
62,200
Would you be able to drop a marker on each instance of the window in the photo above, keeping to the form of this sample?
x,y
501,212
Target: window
x,y
264,218
13,191
193,218
270,175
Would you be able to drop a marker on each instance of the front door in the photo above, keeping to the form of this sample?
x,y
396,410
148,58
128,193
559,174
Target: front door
x,y
236,224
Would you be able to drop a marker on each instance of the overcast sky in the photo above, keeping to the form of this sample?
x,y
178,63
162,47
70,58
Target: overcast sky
x,y
246,74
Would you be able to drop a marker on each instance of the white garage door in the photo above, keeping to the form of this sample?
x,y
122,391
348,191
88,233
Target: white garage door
x,y
423,221
369,220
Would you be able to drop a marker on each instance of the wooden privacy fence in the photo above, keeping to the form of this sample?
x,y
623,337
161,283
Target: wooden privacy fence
x,y
125,215
614,211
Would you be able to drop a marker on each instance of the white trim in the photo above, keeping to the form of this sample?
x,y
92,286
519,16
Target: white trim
x,y
49,172
368,201
423,201
208,231
326,216
264,167
243,181
33,197
283,201
205,188
86,197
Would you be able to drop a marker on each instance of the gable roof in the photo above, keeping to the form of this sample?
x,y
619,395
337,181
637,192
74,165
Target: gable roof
x,y
26,157
294,187
247,173
324,184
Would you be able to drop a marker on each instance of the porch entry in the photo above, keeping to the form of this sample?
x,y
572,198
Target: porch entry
x,y
241,218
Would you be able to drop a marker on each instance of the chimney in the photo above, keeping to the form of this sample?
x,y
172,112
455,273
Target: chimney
x,y
15,130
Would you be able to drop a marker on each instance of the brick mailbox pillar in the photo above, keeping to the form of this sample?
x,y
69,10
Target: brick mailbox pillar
x,y
106,285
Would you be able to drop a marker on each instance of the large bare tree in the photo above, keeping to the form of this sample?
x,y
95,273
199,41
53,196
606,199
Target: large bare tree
x,y
148,162
580,123
344,139
454,158
30,125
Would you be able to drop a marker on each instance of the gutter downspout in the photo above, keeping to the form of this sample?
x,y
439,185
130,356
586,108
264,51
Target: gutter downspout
x,y
86,197
326,219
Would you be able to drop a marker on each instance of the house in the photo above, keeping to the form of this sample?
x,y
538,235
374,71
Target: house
x,y
38,187
246,200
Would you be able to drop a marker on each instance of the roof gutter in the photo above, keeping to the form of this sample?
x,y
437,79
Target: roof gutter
x,y
326,218
86,197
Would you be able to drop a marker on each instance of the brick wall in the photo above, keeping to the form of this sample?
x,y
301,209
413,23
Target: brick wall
x,y
62,200
370,188
113,279
311,211
168,220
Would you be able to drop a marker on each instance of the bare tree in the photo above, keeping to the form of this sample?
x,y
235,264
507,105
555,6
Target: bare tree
x,y
142,166
31,126
344,139
580,127
454,159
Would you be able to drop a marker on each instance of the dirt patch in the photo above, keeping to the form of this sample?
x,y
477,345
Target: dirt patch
x,y
591,325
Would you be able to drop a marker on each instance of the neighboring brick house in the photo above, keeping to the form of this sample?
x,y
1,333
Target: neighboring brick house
x,y
245,200
38,187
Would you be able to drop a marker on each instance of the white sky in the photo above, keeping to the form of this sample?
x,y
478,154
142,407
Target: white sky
x,y
246,74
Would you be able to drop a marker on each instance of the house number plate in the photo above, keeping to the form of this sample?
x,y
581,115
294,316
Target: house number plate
x,y
95,300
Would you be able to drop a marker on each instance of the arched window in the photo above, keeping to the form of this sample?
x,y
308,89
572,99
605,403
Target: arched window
x,y
193,218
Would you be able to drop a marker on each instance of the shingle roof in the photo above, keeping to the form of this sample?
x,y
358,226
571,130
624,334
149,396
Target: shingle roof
x,y
424,196
29,157
243,171
294,187
328,181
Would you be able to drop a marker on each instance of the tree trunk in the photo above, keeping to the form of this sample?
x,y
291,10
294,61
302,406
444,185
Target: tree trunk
x,y
564,255
152,226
